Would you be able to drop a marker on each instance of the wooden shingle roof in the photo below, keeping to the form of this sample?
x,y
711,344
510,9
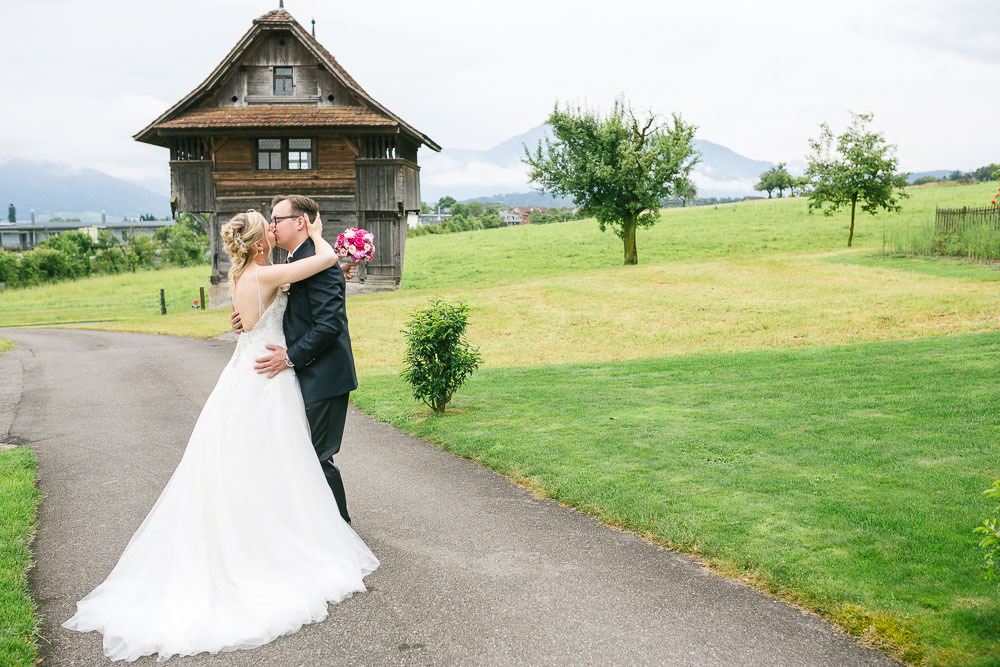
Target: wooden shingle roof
x,y
277,115
185,111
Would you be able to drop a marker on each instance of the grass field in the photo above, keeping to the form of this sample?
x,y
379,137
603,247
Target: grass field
x,y
132,296
18,503
816,420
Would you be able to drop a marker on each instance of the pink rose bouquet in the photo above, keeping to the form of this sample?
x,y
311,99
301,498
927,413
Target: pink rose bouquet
x,y
355,244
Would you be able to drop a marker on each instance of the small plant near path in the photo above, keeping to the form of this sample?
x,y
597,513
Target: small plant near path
x,y
438,358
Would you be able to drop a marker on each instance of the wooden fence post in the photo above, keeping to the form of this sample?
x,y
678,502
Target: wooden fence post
x,y
163,303
201,291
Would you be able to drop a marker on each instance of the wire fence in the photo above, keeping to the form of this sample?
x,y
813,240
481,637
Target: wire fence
x,y
28,312
952,220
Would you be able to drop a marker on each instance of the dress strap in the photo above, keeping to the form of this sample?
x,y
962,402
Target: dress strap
x,y
260,300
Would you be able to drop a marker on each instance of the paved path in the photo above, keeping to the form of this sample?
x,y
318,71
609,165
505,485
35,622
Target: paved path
x,y
474,570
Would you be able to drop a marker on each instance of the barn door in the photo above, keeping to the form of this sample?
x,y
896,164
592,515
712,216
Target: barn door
x,y
387,261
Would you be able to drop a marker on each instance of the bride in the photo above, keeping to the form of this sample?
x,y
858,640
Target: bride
x,y
246,542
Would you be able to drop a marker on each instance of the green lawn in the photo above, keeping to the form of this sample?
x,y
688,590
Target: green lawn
x,y
846,479
131,296
18,502
816,420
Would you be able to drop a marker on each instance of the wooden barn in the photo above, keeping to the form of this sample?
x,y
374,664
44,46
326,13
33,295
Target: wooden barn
x,y
280,116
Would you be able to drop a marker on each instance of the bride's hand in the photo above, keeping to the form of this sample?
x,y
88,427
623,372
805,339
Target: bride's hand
x,y
315,227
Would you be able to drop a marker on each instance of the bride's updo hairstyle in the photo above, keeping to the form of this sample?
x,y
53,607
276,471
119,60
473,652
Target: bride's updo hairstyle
x,y
239,236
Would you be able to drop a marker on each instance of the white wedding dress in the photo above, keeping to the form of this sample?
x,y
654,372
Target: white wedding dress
x,y
246,542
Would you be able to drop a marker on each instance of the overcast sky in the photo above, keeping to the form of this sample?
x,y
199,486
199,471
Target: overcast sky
x,y
80,78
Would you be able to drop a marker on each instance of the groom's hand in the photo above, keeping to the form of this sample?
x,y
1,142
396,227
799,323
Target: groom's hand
x,y
349,269
273,363
236,321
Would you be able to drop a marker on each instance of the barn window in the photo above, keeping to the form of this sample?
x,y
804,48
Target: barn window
x,y
269,153
300,153
282,80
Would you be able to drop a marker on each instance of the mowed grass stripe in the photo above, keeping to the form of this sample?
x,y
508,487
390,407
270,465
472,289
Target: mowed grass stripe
x,y
725,305
847,479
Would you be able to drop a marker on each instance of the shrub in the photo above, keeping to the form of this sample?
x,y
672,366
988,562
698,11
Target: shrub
x,y
109,260
181,246
438,359
9,268
990,544
29,272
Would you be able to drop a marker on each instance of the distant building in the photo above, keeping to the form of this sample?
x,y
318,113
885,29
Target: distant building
x,y
25,235
508,218
526,211
432,219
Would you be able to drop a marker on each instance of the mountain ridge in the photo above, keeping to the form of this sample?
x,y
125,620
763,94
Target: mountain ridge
x,y
52,189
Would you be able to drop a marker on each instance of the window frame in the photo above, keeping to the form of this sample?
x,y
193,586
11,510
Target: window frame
x,y
284,151
290,78
270,151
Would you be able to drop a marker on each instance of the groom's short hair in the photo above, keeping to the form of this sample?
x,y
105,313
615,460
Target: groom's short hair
x,y
301,205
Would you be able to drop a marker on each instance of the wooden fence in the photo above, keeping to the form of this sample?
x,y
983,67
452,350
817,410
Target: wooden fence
x,y
953,220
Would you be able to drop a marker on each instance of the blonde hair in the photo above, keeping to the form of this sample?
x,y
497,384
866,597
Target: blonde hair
x,y
239,236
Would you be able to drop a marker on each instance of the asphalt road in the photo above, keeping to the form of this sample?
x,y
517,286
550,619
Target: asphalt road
x,y
474,570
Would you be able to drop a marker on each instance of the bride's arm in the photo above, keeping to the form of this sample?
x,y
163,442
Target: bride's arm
x,y
325,257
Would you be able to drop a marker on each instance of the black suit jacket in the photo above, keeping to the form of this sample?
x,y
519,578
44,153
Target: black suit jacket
x,y
316,334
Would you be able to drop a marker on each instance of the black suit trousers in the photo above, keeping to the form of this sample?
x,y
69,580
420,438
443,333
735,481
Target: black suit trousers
x,y
326,422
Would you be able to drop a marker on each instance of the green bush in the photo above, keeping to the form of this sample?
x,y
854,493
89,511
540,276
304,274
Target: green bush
x,y
990,530
181,246
9,268
29,269
74,254
438,359
109,260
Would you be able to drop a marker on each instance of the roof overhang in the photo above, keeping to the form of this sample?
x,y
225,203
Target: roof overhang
x,y
277,19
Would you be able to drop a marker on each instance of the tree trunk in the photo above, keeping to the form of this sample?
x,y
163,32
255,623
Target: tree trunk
x,y
628,237
850,237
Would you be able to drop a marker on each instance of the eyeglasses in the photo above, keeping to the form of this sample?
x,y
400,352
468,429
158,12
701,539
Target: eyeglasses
x,y
275,221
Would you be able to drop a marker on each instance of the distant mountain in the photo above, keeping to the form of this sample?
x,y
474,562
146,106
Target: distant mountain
x,y
940,173
52,189
468,174
522,199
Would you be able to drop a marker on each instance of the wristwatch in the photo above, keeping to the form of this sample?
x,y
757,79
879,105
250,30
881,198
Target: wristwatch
x,y
288,362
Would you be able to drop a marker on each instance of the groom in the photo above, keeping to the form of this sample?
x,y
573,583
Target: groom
x,y
319,344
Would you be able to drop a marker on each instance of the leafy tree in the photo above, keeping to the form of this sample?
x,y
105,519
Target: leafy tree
x,y
11,213
924,180
618,168
988,172
438,358
775,178
800,186
857,166
685,190
444,203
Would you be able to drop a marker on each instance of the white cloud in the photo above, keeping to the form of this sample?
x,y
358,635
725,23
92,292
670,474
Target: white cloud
x,y
756,77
